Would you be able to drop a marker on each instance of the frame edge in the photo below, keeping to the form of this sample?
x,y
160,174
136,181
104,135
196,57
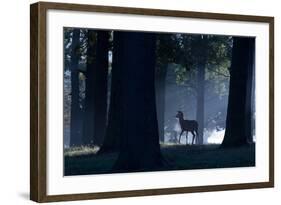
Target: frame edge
x,y
155,12
37,102
271,102
34,186
155,192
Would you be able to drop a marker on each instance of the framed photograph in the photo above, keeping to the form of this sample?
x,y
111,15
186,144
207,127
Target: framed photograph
x,y
135,102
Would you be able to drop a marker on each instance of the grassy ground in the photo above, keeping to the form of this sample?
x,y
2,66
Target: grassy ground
x,y
84,160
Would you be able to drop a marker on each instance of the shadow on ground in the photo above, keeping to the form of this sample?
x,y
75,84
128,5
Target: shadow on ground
x,y
178,157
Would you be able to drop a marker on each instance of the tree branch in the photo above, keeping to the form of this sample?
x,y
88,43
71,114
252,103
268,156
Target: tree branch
x,y
220,73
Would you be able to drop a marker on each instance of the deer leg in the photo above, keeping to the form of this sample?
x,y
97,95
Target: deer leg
x,y
180,137
193,137
186,137
196,131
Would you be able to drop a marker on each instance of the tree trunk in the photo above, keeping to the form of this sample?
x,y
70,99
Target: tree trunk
x,y
239,111
100,86
75,129
96,87
111,141
139,138
160,99
88,125
250,94
200,102
201,66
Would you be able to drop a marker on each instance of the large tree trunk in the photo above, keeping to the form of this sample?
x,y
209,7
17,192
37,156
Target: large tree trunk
x,y
239,111
160,99
75,129
139,139
100,86
96,87
111,141
250,95
88,125
201,67
200,103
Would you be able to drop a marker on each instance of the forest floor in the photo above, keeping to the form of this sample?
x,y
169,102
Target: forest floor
x,y
82,161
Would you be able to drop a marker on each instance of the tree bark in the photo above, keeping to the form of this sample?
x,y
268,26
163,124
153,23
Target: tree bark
x,y
239,111
111,142
139,138
201,70
88,125
250,94
200,111
100,87
96,87
75,129
160,100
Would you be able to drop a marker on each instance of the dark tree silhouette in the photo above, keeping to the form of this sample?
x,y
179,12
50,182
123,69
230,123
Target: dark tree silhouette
x,y
160,99
88,125
100,86
75,129
96,87
139,139
165,55
250,95
112,136
239,111
201,49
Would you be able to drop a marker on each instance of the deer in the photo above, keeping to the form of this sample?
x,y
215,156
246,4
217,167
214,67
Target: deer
x,y
187,126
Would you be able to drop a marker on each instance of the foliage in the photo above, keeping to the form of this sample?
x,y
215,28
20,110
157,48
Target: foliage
x,y
184,51
67,32
79,151
181,74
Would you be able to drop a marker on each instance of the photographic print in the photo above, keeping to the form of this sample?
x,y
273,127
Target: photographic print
x,y
146,101
136,102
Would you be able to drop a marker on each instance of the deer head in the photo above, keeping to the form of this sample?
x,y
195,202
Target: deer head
x,y
179,114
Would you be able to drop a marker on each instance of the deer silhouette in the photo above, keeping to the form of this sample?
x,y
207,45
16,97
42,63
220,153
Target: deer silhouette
x,y
187,126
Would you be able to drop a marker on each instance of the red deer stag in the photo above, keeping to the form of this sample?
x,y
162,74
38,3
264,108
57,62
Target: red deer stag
x,y
187,126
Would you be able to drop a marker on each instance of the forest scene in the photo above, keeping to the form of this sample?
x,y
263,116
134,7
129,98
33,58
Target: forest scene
x,y
146,101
